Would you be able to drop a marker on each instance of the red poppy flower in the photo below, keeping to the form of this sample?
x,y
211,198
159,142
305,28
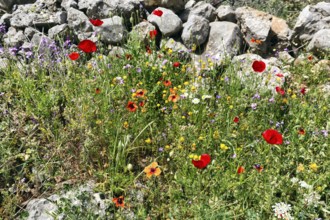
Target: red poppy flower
x,y
158,12
258,167
240,170
74,56
280,90
96,22
131,106
303,90
272,136
87,46
203,162
153,34
236,119
258,66
97,90
141,104
301,131
176,64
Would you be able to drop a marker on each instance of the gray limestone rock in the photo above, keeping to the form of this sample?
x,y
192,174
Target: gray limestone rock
x,y
112,31
201,8
226,13
176,6
310,20
225,40
195,31
254,25
78,21
8,4
320,43
169,23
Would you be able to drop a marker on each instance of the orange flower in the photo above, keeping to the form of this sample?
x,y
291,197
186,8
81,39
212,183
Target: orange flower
x,y
119,201
152,169
253,40
167,83
173,98
97,90
140,93
131,106
240,170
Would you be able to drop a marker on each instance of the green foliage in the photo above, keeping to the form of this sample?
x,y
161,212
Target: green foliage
x,y
70,120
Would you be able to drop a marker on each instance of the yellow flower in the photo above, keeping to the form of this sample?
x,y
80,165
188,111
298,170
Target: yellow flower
x,y
285,101
216,135
125,125
313,166
148,141
167,147
300,168
200,138
223,147
294,96
181,139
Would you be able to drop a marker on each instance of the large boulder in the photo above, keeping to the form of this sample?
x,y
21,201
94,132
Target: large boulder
x,y
195,31
201,8
8,4
78,21
255,25
141,32
112,31
169,23
225,39
226,13
14,38
320,43
176,6
310,20
108,8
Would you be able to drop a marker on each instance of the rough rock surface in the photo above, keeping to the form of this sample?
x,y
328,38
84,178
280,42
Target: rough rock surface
x,y
195,31
320,43
169,23
112,31
226,13
310,20
225,39
254,25
176,5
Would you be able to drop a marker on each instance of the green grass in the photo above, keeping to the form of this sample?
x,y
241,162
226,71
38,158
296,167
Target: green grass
x,y
69,121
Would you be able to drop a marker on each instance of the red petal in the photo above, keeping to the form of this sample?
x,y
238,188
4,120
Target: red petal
x,y
74,56
96,22
87,46
203,162
272,136
259,66
158,12
240,170
236,119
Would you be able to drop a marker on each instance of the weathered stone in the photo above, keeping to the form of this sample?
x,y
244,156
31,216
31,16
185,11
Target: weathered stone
x,y
66,4
225,39
112,31
59,32
176,6
8,4
285,57
320,43
195,31
22,19
141,32
78,21
169,23
254,25
14,38
5,19
176,46
108,8
310,20
202,9
29,32
226,13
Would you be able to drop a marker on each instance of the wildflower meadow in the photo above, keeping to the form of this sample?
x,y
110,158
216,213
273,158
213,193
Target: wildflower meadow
x,y
162,137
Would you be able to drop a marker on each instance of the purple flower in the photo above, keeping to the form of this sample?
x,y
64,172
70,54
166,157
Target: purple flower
x,y
271,100
254,106
3,28
256,96
138,70
226,79
160,149
164,62
218,96
13,50
325,133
